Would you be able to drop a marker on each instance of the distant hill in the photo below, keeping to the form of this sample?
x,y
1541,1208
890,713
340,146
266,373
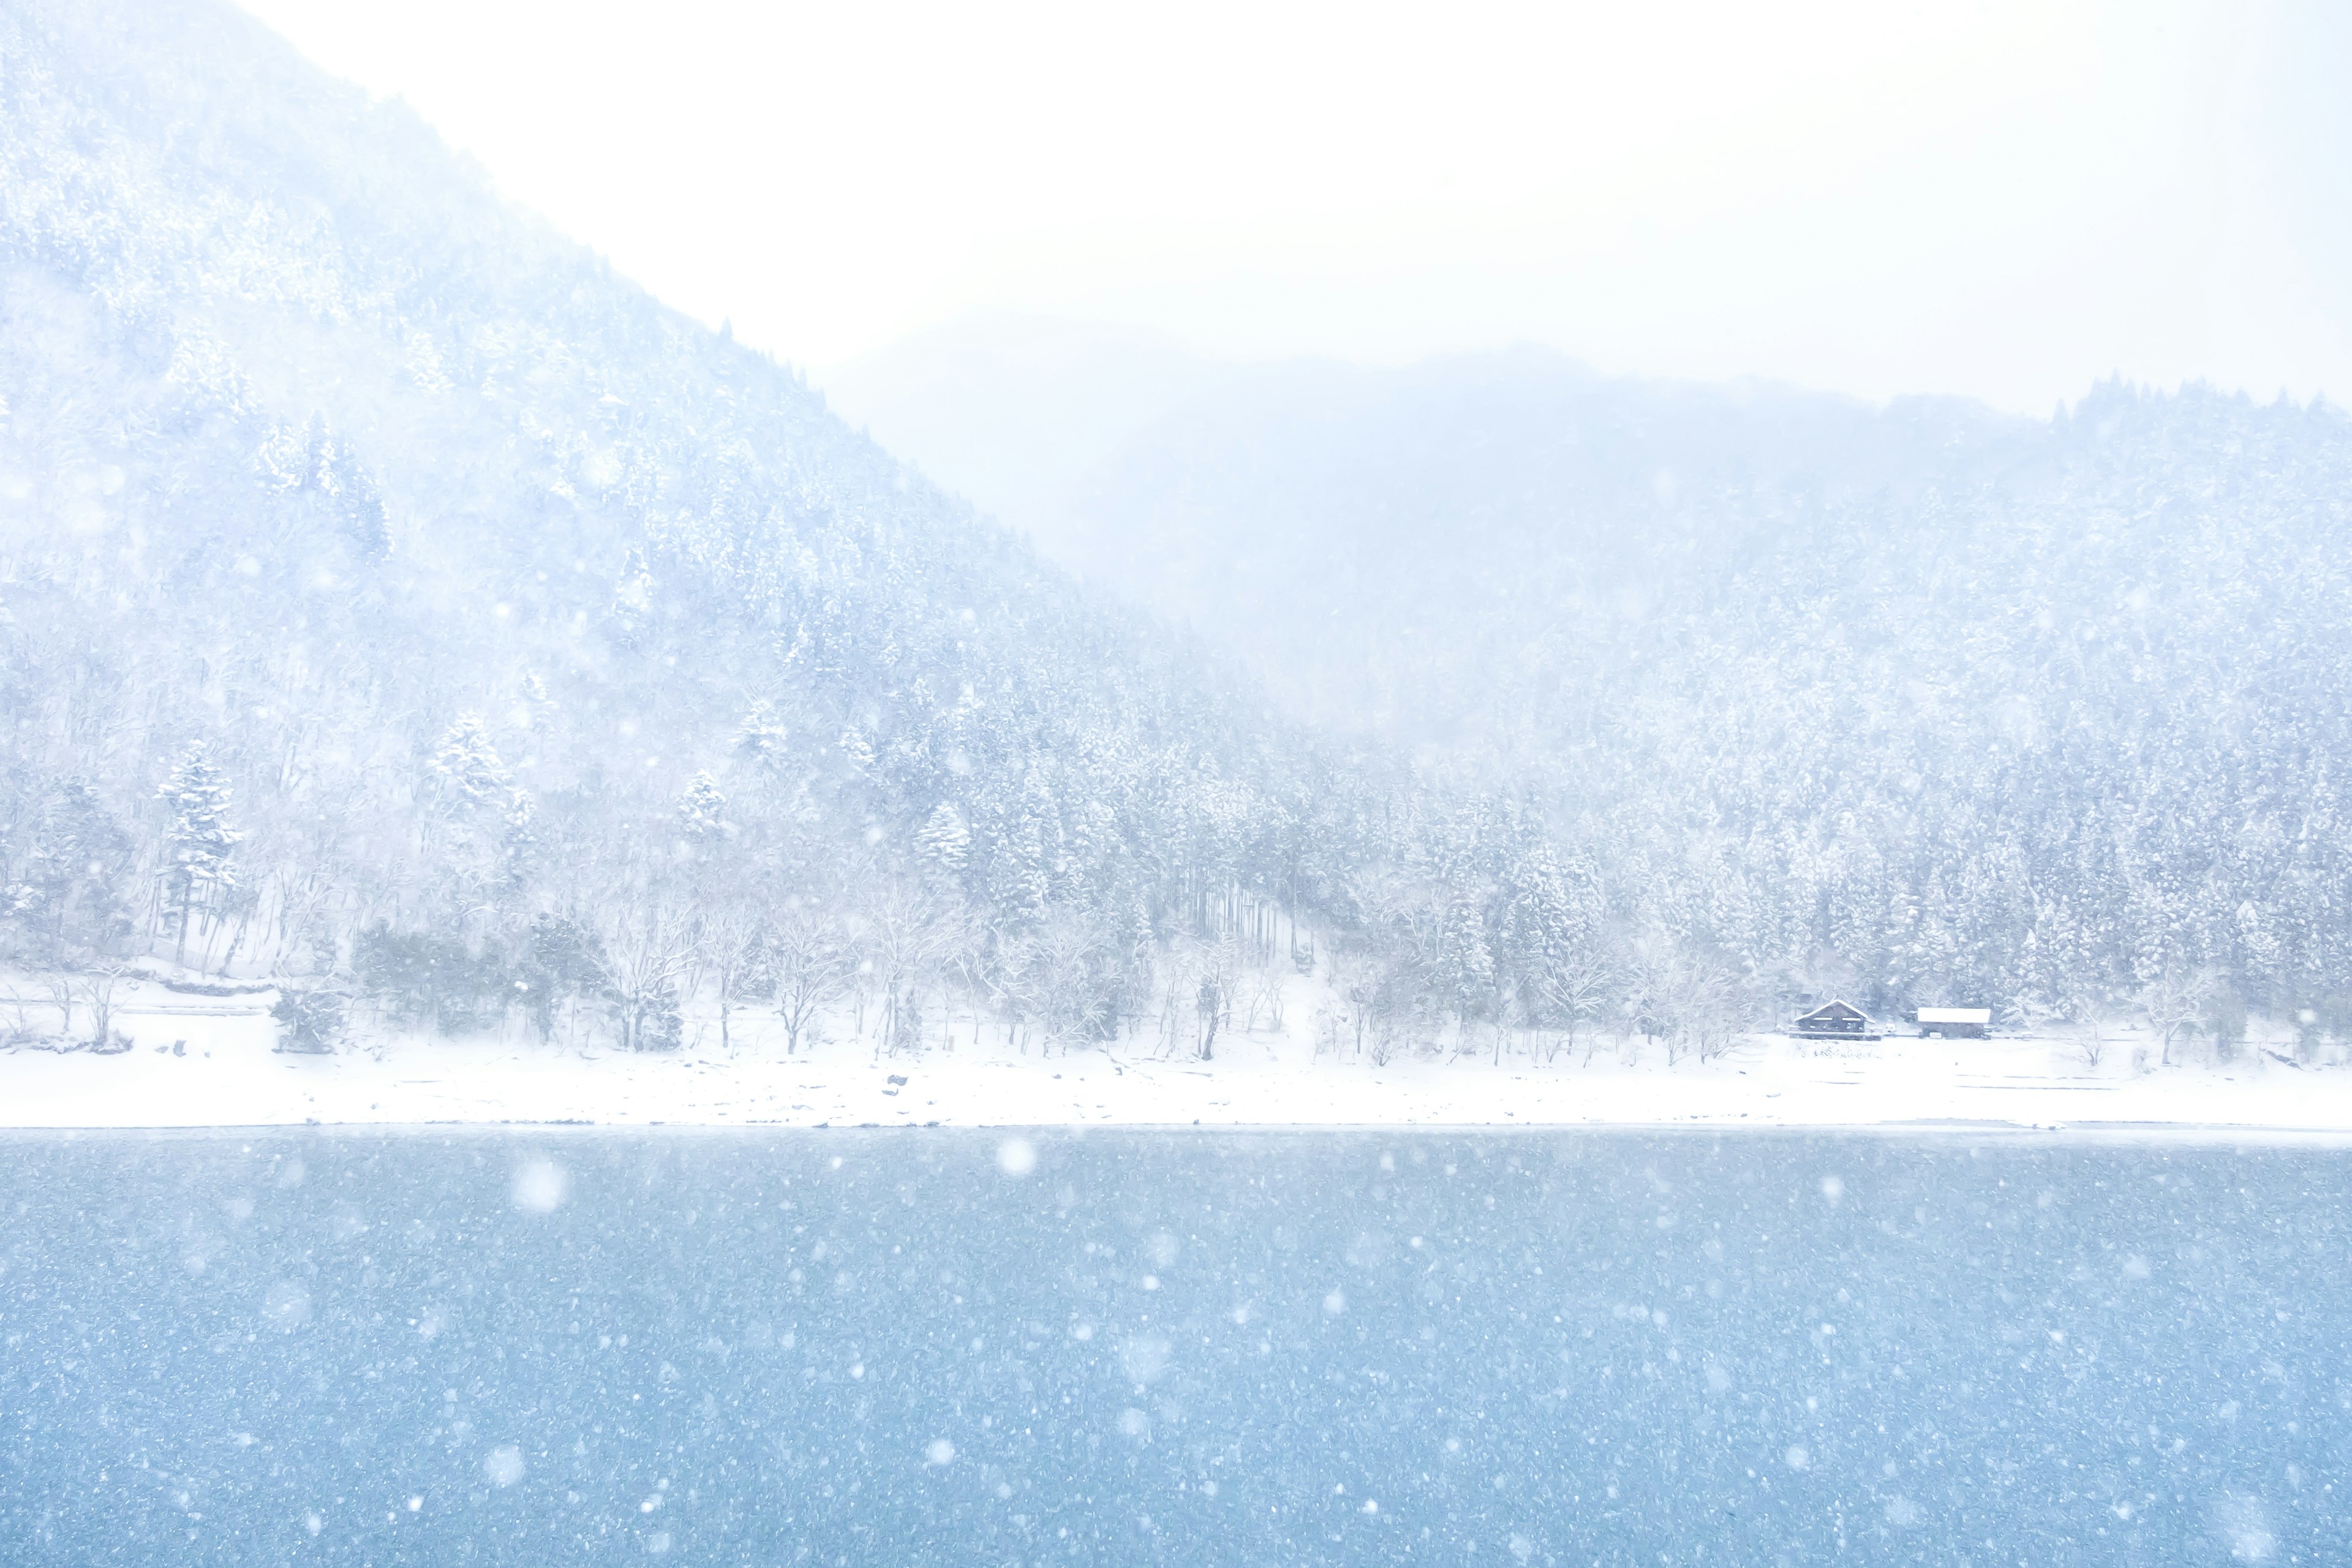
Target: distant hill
x,y
1920,703
1349,528
1014,413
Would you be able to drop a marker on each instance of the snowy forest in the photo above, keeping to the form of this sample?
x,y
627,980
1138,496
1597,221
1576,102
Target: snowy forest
x,y
397,603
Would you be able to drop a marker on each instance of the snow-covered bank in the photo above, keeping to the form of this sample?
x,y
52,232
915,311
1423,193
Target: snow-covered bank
x,y
209,1061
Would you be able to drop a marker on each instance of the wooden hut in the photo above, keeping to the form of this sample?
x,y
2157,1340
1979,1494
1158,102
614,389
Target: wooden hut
x,y
1953,1023
1836,1020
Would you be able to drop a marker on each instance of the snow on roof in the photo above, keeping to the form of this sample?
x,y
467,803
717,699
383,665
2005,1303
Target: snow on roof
x,y
1956,1014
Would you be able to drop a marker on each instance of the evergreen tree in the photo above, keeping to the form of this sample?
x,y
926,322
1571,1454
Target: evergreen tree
x,y
198,841
346,491
633,599
1465,963
519,845
943,842
466,765
71,885
701,809
759,738
319,471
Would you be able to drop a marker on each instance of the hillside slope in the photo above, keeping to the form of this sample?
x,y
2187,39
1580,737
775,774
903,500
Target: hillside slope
x,y
385,585
1918,703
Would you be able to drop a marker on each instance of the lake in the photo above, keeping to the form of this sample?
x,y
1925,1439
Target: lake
x,y
940,1346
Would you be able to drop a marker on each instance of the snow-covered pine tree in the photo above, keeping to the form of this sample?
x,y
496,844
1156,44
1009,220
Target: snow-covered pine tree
x,y
1538,928
759,738
943,843
1017,882
348,492
198,842
633,598
467,767
701,809
70,885
1465,963
319,468
518,841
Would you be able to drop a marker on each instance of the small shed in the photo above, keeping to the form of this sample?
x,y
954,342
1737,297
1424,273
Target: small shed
x,y
1836,1021
1955,1023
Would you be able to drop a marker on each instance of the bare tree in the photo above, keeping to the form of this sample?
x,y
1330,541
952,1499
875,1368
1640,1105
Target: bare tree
x,y
2034,1014
735,942
1654,982
1329,1022
958,963
2175,1001
1012,981
808,955
1178,977
98,994
19,1030
1684,997
1574,988
63,993
647,951
1070,994
1261,989
905,931
1713,1023
2087,1011
1198,981
1391,1005
1208,1007
1216,967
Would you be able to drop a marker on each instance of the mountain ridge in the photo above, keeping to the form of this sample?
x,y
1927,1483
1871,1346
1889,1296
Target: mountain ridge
x,y
592,527
1542,578
394,598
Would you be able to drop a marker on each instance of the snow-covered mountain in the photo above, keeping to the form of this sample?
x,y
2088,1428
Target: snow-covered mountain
x,y
392,597
473,613
1916,701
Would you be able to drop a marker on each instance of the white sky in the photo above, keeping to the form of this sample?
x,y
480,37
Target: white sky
x,y
2007,198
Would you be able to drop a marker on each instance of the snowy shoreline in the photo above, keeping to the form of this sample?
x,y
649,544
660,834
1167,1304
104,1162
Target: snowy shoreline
x,y
210,1062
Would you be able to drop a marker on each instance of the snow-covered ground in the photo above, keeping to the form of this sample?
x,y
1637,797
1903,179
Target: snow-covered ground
x,y
210,1061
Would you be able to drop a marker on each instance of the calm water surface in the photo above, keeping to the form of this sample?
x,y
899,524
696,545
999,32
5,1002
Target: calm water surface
x,y
882,1348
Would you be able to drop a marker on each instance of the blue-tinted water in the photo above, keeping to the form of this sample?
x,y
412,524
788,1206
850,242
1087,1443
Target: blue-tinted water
x,y
1183,1347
